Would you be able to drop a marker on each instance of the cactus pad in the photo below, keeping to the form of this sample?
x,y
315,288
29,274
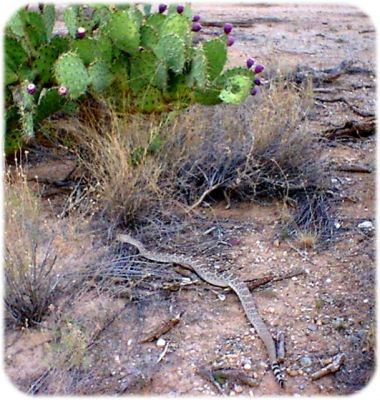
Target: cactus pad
x,y
70,20
71,73
48,17
49,102
123,31
216,54
198,75
171,50
47,55
100,75
236,89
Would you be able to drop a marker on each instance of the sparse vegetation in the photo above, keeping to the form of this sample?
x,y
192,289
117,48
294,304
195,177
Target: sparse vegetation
x,y
30,280
217,164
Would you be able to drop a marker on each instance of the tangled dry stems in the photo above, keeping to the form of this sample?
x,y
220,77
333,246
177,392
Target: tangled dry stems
x,y
30,281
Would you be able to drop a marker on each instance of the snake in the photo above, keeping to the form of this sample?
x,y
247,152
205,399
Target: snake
x,y
223,280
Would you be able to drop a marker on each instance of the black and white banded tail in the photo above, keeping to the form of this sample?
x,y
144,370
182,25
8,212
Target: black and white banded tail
x,y
278,374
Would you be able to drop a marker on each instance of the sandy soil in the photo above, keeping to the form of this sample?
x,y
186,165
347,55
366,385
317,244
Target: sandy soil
x,y
328,310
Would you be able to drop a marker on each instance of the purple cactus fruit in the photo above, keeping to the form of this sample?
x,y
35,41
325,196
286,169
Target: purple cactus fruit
x,y
31,88
257,81
227,28
63,91
81,32
230,40
162,8
196,18
180,9
254,91
196,27
259,68
250,62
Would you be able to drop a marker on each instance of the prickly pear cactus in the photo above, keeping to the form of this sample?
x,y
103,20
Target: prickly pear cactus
x,y
47,55
71,21
49,102
124,32
48,16
215,51
71,73
171,51
100,76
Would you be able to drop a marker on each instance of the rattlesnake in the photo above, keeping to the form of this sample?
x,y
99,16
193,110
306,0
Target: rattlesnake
x,y
224,280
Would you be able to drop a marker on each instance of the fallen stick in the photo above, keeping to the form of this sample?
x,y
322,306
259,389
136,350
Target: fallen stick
x,y
352,129
161,329
337,362
363,169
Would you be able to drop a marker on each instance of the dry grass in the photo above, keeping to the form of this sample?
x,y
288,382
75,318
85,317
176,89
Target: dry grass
x,y
262,148
30,281
137,164
117,153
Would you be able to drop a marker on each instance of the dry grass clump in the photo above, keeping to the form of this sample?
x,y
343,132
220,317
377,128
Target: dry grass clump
x,y
30,281
260,148
118,156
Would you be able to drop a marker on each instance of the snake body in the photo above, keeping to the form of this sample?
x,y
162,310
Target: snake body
x,y
224,280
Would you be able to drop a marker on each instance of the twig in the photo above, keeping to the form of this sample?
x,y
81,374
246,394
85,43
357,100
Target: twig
x,y
337,362
356,129
356,110
204,194
298,251
162,355
364,169
160,329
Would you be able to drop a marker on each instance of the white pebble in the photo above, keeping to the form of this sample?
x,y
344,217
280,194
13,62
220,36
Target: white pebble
x,y
160,342
247,366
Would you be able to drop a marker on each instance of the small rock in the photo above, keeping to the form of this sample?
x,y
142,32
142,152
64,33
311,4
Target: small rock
x,y
312,327
238,389
301,387
292,372
247,366
160,342
305,361
366,225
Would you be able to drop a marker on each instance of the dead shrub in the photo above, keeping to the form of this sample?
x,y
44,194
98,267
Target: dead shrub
x,y
30,281
260,148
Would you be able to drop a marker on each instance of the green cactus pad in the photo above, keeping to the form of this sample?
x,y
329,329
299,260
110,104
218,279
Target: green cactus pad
x,y
86,49
236,89
100,75
70,20
198,76
71,73
34,28
150,100
10,75
123,31
27,124
47,55
48,17
49,102
208,97
136,15
149,37
15,55
16,25
171,50
216,54
155,21
104,48
179,25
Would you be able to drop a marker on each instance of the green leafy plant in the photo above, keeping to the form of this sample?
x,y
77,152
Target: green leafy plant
x,y
140,61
